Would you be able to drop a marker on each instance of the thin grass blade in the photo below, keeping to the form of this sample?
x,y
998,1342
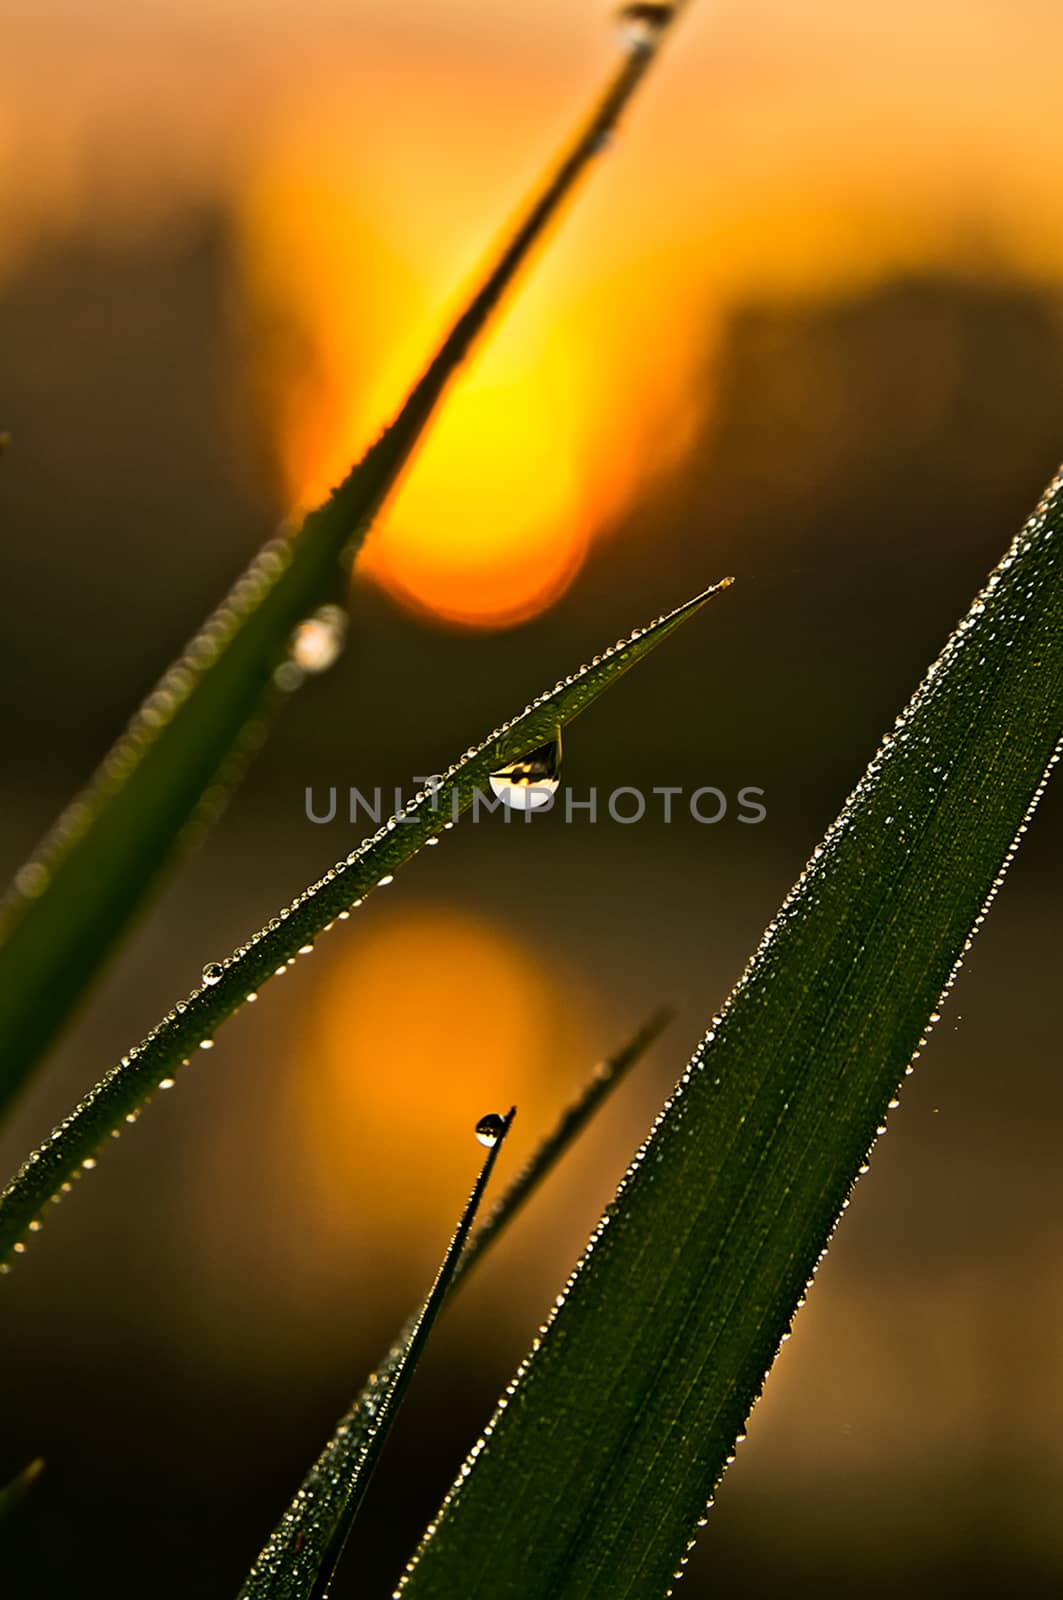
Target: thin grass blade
x,y
191,1025
324,1512
168,776
295,1553
595,1474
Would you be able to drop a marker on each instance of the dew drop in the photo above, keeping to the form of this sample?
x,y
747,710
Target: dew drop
x,y
490,1129
212,973
317,643
532,781
642,24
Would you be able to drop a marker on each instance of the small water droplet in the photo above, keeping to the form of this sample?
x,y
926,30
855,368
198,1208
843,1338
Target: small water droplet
x,y
490,1129
206,1044
317,643
382,883
532,781
642,24
212,973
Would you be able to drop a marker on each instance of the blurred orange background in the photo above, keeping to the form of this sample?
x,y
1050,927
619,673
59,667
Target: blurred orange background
x,y
803,324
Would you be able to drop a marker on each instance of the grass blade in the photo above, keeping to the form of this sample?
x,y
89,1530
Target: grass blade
x,y
491,1131
293,1556
187,746
118,1097
593,1478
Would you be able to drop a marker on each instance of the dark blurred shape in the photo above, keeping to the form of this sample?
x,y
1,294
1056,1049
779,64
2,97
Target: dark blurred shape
x,y
862,464
134,496
916,412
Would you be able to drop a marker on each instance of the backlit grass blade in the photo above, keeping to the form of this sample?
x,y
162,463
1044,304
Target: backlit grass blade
x,y
334,1502
169,774
295,1553
593,1477
227,985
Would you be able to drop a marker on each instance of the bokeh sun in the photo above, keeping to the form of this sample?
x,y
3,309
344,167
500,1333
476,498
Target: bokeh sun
x,y
543,432
432,1018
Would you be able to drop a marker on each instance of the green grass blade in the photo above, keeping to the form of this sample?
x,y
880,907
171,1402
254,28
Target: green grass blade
x,y
192,1023
168,775
593,1478
295,1553
352,1487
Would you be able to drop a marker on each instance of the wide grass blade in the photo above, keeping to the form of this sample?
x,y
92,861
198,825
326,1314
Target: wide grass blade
x,y
296,1552
593,1475
169,774
227,985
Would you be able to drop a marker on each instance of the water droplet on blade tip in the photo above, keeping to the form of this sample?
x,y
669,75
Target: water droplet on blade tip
x,y
490,1129
642,24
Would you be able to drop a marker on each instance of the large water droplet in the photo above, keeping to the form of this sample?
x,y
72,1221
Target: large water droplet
x,y
490,1129
317,643
642,24
532,781
212,973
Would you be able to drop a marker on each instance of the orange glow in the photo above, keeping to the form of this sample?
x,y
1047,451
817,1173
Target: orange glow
x,y
488,527
431,1019
368,155
534,445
